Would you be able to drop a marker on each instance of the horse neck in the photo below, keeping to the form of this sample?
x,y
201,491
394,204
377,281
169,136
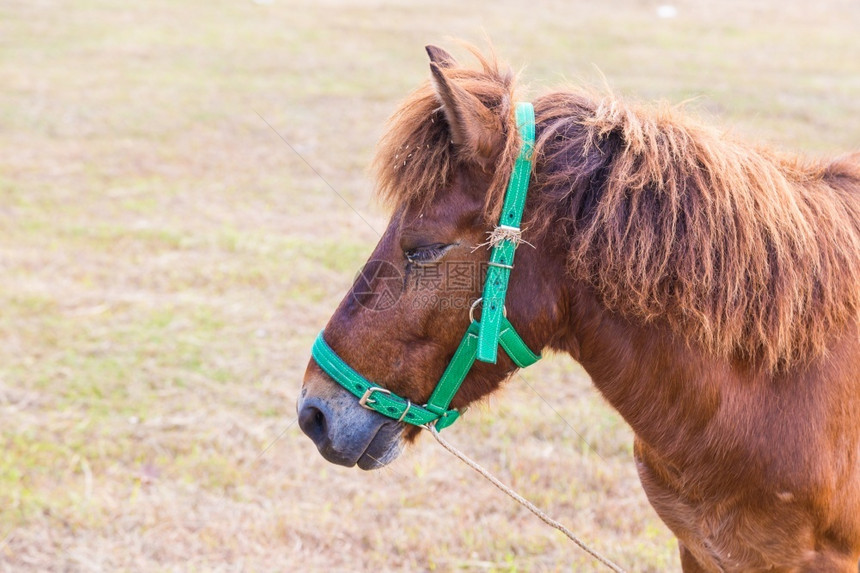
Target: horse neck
x,y
663,388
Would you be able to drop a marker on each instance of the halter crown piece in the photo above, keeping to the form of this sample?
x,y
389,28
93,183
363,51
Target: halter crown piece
x,y
482,338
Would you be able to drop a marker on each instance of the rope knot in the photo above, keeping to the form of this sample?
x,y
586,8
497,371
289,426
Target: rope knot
x,y
503,233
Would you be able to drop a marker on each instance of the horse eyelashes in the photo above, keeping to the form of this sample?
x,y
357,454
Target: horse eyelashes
x,y
426,254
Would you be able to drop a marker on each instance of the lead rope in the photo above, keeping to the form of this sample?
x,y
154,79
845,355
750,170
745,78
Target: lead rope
x,y
523,501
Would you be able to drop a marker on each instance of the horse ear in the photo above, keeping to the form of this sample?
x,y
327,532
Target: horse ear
x,y
440,57
475,129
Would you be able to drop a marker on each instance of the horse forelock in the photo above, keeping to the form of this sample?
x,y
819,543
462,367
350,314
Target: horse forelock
x,y
415,158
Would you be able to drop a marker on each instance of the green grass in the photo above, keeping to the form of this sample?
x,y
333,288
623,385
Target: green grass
x,y
166,260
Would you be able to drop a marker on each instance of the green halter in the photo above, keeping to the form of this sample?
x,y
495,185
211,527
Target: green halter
x,y
481,339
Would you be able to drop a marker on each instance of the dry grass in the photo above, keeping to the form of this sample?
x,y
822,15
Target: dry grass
x,y
166,261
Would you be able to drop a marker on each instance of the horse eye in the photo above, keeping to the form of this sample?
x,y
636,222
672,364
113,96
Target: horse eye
x,y
426,254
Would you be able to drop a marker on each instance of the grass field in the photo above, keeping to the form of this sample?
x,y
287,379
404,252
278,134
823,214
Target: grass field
x,y
166,260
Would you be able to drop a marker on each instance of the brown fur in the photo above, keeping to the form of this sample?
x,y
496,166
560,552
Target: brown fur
x,y
752,255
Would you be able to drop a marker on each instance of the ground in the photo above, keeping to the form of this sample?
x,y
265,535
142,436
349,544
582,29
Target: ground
x,y
183,202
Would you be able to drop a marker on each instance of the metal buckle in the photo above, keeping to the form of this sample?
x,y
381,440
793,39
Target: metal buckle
x,y
475,305
363,401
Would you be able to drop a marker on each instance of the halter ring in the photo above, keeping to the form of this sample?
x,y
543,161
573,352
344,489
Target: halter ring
x,y
475,305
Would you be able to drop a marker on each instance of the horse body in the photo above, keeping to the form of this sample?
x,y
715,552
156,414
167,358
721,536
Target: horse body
x,y
711,290
751,472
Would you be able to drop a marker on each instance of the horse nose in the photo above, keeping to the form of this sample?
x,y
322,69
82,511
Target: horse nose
x,y
314,416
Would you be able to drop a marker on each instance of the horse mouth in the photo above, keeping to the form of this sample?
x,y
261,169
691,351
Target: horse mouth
x,y
383,448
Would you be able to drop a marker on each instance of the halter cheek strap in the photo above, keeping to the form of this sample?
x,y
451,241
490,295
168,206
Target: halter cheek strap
x,y
507,238
482,338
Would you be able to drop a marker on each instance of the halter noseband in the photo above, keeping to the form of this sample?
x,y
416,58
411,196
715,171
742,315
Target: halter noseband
x,y
482,338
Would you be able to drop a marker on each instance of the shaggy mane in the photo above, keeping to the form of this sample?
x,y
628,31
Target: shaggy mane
x,y
753,255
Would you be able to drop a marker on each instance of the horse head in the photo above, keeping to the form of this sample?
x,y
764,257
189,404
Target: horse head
x,y
443,166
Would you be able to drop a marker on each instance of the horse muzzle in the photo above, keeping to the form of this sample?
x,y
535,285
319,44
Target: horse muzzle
x,y
344,432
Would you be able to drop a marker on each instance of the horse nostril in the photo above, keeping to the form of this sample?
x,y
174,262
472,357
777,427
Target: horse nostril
x,y
312,421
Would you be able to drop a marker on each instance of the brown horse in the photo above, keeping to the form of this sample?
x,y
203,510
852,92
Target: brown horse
x,y
710,289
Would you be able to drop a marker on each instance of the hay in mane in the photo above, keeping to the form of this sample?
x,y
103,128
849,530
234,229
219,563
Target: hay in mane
x,y
753,255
